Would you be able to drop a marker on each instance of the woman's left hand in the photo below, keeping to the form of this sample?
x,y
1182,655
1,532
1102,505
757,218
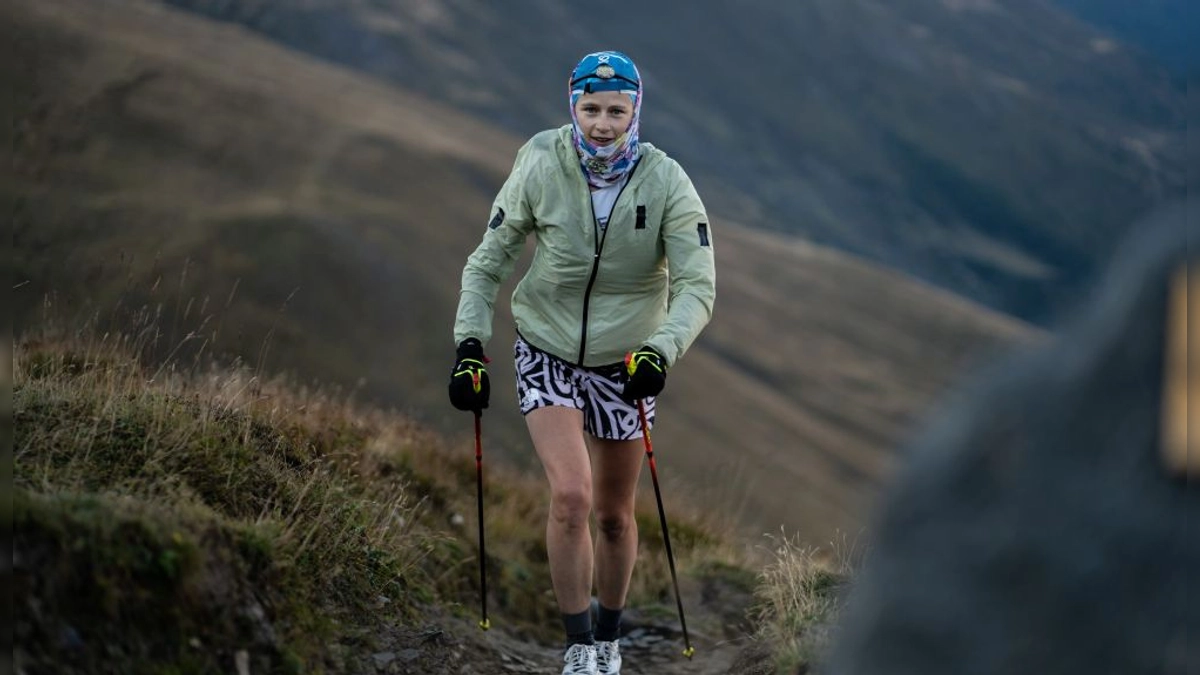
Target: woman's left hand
x,y
645,374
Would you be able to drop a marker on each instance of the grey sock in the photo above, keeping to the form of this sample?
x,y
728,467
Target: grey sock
x,y
608,624
579,628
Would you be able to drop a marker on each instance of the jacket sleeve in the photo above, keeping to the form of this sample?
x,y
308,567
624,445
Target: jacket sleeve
x,y
687,240
493,260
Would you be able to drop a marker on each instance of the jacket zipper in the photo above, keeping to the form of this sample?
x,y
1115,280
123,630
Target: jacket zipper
x,y
599,240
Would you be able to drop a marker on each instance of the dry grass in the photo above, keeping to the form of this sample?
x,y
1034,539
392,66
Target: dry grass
x,y
798,598
217,473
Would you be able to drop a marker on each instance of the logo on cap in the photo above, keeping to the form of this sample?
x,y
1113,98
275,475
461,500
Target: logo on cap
x,y
605,71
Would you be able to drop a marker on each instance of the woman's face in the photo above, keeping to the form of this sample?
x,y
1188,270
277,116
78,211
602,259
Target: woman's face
x,y
603,116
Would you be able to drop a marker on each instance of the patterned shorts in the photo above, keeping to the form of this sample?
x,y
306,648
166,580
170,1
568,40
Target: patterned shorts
x,y
545,380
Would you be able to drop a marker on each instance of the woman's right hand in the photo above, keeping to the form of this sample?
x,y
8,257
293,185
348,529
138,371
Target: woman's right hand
x,y
469,387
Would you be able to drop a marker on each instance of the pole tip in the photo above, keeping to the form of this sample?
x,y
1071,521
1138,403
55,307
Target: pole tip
x,y
689,651
485,624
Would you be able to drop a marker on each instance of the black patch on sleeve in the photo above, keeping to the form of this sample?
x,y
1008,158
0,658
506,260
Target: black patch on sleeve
x,y
702,230
496,219
641,218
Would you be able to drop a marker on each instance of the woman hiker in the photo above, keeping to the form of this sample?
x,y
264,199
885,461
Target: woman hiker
x,y
623,265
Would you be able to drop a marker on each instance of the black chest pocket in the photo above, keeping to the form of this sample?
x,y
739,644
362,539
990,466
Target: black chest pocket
x,y
633,249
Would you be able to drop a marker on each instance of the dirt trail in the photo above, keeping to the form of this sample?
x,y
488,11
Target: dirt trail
x,y
453,649
650,644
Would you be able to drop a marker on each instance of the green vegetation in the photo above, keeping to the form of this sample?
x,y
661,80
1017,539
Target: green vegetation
x,y
166,519
153,509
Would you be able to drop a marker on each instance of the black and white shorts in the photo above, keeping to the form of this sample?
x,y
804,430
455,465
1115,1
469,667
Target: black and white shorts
x,y
546,380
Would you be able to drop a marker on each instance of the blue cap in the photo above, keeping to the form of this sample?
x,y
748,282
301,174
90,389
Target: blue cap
x,y
605,71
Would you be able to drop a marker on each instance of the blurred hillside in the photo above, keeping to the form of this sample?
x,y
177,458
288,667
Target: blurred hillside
x,y
996,148
259,204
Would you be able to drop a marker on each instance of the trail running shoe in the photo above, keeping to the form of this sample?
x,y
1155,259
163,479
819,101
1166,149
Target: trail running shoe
x,y
580,660
608,658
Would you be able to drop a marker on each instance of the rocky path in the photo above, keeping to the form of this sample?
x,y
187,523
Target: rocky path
x,y
650,644
645,649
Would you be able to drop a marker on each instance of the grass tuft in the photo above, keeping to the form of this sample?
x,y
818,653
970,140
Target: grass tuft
x,y
798,596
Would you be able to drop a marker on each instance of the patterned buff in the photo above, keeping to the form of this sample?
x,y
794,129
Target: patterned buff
x,y
606,71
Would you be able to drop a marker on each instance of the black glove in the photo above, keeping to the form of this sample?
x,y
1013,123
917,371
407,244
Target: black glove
x,y
645,374
469,387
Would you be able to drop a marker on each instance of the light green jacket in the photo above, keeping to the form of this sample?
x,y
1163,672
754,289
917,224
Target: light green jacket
x,y
592,295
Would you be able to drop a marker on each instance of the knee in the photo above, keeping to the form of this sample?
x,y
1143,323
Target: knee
x,y
571,505
615,525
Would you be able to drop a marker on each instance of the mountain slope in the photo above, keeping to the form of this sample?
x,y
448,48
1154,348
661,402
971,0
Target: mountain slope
x,y
994,148
232,196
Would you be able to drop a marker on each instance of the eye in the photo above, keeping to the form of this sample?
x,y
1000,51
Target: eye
x,y
616,112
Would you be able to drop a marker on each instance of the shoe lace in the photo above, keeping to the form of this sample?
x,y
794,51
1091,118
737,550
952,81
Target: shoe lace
x,y
607,652
577,659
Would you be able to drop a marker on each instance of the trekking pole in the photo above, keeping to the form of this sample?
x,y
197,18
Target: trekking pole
x,y
483,623
662,518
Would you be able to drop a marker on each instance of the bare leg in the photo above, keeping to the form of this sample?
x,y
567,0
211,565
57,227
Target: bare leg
x,y
557,435
616,466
